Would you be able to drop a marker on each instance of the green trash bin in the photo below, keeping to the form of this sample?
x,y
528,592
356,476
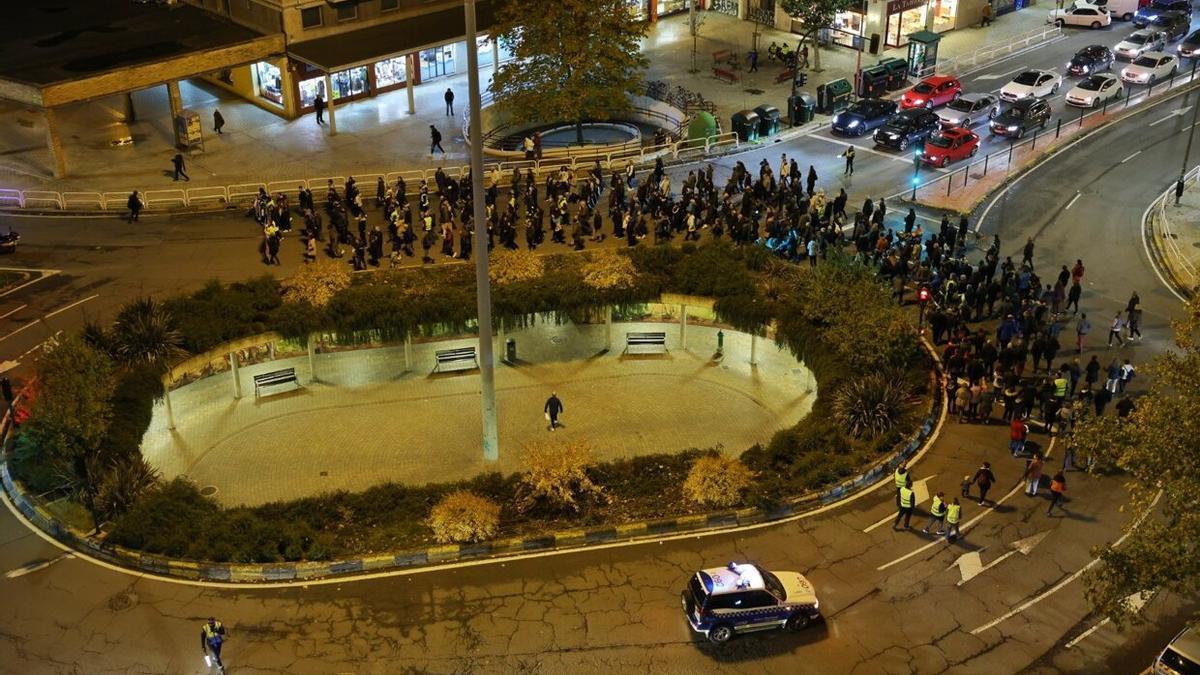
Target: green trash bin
x,y
702,126
897,70
745,125
873,82
768,120
801,108
834,96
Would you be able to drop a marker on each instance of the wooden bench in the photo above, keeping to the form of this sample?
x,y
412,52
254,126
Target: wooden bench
x,y
726,56
786,75
646,343
273,378
453,359
725,74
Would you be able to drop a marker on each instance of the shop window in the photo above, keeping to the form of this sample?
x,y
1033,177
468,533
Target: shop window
x,y
310,17
309,89
268,82
389,5
390,72
347,12
437,62
347,83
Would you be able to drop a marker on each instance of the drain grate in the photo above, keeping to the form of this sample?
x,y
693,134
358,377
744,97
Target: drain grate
x,y
208,490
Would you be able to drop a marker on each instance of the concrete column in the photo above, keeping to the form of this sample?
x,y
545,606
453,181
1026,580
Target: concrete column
x,y
495,55
170,410
652,9
407,352
130,111
743,8
500,342
608,329
683,326
410,79
329,105
271,350
753,350
312,349
233,369
176,101
54,142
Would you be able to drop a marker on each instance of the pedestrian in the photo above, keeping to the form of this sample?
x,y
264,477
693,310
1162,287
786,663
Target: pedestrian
x,y
319,107
1058,485
1125,407
1133,315
937,514
966,485
908,499
449,96
953,515
849,155
1100,400
962,399
218,121
1114,330
985,19
1018,432
135,203
984,478
1113,379
1082,328
1073,297
177,161
1033,474
900,478
753,57
212,636
553,408
435,141
811,180
1027,253
1126,376
1091,373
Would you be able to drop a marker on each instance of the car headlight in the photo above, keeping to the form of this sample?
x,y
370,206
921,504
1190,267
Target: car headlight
x,y
1012,127
853,123
918,101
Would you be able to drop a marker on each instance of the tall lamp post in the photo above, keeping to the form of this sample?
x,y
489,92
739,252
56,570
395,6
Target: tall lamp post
x,y
483,289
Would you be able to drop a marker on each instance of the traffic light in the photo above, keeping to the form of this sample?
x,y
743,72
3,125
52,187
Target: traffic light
x,y
802,79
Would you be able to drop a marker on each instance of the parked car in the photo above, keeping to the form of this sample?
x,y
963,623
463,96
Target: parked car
x,y
1150,68
950,145
1094,90
1139,42
1174,24
969,110
1079,14
1190,46
932,92
1031,84
1119,9
1150,12
1181,656
741,598
1090,59
863,116
1020,118
907,127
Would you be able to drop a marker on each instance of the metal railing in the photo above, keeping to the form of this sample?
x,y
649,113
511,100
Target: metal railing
x,y
960,65
1161,231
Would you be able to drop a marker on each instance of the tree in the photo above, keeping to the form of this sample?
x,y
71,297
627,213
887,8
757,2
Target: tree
x,y
145,334
1157,449
574,60
814,15
317,283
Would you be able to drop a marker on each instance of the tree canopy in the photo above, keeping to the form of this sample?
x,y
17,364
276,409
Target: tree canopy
x,y
814,15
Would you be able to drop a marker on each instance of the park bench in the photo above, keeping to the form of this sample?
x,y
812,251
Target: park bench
x,y
274,378
785,75
726,56
725,74
646,343
454,359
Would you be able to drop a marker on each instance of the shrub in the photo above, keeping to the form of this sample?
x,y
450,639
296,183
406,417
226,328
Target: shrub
x,y
145,334
318,283
608,270
462,517
871,404
219,313
514,266
120,485
558,475
717,480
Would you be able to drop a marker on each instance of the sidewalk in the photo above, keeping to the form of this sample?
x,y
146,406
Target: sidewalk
x,y
377,134
1182,224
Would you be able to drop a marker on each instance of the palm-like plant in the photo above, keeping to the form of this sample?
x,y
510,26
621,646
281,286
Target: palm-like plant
x,y
144,334
871,404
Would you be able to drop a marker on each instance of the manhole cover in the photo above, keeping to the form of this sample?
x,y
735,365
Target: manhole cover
x,y
556,339
122,602
324,473
208,490
756,92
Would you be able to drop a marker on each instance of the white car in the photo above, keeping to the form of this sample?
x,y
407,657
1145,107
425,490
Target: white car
x,y
1079,14
1094,90
1150,68
1032,84
969,109
1139,42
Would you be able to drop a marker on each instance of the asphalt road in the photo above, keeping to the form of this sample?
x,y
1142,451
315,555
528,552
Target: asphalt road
x,y
892,599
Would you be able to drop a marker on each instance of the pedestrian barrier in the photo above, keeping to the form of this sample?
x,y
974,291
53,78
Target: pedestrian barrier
x,y
243,192
11,196
116,200
157,198
1168,242
961,65
42,197
201,195
72,200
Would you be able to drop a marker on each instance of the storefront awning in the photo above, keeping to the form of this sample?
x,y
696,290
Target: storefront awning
x,y
395,38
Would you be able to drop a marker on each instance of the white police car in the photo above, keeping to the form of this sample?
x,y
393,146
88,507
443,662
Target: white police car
x,y
743,598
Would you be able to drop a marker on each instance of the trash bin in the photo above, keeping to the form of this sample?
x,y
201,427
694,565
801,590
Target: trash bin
x,y
833,96
768,120
801,108
745,125
897,70
510,350
702,126
873,82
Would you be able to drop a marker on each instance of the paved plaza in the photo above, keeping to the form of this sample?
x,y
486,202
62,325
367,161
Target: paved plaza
x,y
366,420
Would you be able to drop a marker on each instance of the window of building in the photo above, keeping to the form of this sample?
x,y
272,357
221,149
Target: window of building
x,y
347,12
437,62
390,72
310,17
269,83
389,5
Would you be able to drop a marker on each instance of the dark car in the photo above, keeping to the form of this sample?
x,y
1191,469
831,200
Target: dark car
x,y
865,115
1174,24
1150,12
1021,117
1190,47
907,127
1090,59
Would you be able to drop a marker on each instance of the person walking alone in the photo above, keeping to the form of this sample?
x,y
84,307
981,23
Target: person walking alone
x,y
177,161
1114,331
1033,474
1082,328
135,205
849,155
218,121
435,141
212,636
553,408
984,478
1058,485
1133,316
449,97
319,107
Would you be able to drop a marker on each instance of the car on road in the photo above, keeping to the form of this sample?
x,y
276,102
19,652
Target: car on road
x,y
1181,656
1174,24
950,145
1139,42
1190,46
1090,59
1094,90
1031,84
932,92
1079,14
742,598
907,127
1150,12
969,110
1150,68
1020,118
1119,9
863,116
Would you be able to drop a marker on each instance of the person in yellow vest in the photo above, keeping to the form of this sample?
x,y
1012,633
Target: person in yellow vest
x,y
953,515
907,500
937,514
212,636
900,476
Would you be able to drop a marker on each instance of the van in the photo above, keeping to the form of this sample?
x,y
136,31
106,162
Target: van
x,y
1121,9
1182,655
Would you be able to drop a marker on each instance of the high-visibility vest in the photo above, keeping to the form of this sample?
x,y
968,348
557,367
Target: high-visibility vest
x,y
907,497
939,506
1060,387
211,631
901,478
953,511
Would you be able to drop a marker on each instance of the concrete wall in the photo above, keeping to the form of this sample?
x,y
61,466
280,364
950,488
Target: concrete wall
x,y
243,84
369,14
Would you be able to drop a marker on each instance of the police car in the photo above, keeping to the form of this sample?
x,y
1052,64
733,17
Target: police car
x,y
743,598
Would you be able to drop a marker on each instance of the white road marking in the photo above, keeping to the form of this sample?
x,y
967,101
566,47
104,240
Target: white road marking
x,y
1136,602
1073,200
1175,113
60,310
970,565
14,311
36,566
996,76
6,366
1131,156
864,148
46,274
921,488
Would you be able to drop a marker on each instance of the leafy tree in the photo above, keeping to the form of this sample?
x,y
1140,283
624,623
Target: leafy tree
x,y
814,15
1158,451
575,60
317,283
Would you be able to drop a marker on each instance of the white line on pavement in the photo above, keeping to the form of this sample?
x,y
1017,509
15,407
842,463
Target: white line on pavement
x,y
73,304
46,274
861,147
920,487
1136,602
1131,156
996,76
1174,113
1072,202
14,311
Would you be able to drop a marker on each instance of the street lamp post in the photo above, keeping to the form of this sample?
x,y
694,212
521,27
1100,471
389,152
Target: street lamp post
x,y
483,290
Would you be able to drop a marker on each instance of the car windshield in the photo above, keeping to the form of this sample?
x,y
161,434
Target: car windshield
x,y
1028,77
965,105
1137,39
1165,20
1146,61
1016,113
1161,5
698,592
923,88
940,141
773,585
1179,663
1092,83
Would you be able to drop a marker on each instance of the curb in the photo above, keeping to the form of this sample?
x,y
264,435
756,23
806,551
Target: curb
x,y
1159,258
